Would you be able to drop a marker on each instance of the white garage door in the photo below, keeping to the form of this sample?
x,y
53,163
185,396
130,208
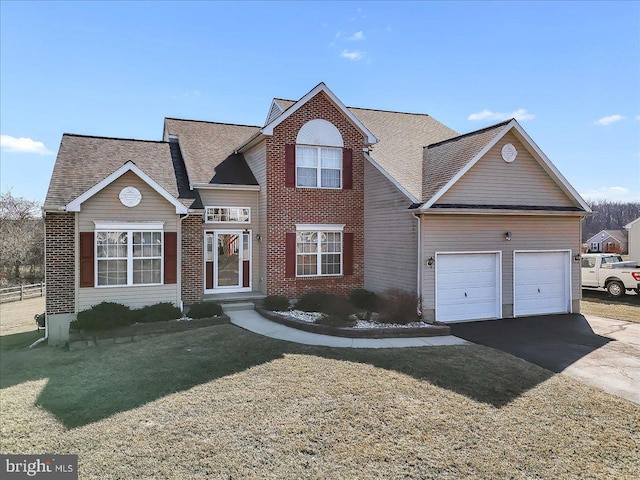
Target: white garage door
x,y
542,283
467,286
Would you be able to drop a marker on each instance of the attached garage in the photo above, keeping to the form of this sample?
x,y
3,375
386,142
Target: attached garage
x,y
542,282
468,286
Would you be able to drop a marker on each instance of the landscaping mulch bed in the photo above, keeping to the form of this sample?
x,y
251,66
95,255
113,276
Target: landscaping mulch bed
x,y
429,331
82,339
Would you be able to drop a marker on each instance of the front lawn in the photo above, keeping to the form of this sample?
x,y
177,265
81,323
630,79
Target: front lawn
x,y
225,403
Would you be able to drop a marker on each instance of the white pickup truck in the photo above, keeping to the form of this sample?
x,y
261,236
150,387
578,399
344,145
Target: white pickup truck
x,y
608,271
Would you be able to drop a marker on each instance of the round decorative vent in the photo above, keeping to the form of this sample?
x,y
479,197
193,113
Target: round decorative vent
x,y
509,153
130,196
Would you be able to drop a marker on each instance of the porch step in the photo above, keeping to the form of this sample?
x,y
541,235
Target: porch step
x,y
235,306
233,297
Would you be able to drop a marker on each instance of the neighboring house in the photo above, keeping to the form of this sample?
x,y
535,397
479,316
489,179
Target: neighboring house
x,y
608,241
322,197
633,237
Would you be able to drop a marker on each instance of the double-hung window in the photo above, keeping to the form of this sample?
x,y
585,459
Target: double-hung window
x,y
318,253
319,167
129,257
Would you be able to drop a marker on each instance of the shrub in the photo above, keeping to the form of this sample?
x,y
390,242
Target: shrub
x,y
336,321
314,301
364,299
157,313
276,303
399,307
205,310
103,316
324,302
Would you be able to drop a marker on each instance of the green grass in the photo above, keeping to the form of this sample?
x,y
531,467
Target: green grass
x,y
19,340
227,403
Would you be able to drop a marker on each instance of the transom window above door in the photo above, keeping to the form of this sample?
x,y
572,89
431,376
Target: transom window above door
x,y
228,215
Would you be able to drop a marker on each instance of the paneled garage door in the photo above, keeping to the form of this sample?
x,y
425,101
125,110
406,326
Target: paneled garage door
x,y
542,283
468,286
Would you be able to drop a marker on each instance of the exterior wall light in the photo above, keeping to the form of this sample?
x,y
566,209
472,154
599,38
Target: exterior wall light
x,y
507,236
430,261
258,237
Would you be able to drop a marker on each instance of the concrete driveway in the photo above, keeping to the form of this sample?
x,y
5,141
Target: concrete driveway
x,y
601,352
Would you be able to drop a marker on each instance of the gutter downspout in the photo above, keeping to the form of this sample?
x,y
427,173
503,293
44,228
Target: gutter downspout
x,y
419,270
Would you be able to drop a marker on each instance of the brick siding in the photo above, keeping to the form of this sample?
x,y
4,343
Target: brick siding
x,y
287,206
60,263
192,257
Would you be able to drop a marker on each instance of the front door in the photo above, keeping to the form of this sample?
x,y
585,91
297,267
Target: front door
x,y
227,256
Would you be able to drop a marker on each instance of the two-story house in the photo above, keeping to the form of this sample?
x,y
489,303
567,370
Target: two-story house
x,y
321,197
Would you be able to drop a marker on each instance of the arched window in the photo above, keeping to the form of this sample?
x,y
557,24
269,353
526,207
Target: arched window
x,y
318,160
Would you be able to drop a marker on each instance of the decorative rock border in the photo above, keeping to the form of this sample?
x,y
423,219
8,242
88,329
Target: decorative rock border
x,y
430,331
79,340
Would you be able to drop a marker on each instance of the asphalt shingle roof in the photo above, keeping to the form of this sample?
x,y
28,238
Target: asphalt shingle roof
x,y
443,160
402,138
83,161
207,149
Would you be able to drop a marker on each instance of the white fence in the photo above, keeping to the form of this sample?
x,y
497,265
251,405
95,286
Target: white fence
x,y
22,292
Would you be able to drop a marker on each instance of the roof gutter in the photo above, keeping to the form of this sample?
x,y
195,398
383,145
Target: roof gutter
x,y
225,186
250,143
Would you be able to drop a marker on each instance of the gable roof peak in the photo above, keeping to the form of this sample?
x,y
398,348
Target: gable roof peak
x,y
321,87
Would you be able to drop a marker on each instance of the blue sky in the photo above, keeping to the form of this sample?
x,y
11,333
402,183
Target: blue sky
x,y
569,71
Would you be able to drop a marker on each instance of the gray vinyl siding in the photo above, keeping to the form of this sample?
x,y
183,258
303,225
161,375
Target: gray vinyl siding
x,y
469,233
106,206
237,198
133,297
257,160
390,235
492,181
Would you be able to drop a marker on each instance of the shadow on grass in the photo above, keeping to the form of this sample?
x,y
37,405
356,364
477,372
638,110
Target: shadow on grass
x,y
19,340
87,386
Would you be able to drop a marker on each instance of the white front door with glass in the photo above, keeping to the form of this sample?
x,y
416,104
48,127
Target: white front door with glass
x,y
227,261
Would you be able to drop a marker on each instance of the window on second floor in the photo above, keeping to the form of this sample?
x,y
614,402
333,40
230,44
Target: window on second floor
x,y
318,167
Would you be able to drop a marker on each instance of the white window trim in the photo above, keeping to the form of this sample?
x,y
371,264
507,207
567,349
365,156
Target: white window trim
x,y
318,254
206,215
319,168
130,258
124,226
320,227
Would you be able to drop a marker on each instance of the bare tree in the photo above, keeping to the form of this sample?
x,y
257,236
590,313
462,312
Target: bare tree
x,y
21,239
608,215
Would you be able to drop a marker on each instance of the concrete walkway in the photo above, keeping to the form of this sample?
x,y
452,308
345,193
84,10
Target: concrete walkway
x,y
254,322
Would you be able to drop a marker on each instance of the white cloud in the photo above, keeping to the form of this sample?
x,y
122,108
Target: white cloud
x,y
357,36
520,114
23,145
353,55
614,194
609,119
